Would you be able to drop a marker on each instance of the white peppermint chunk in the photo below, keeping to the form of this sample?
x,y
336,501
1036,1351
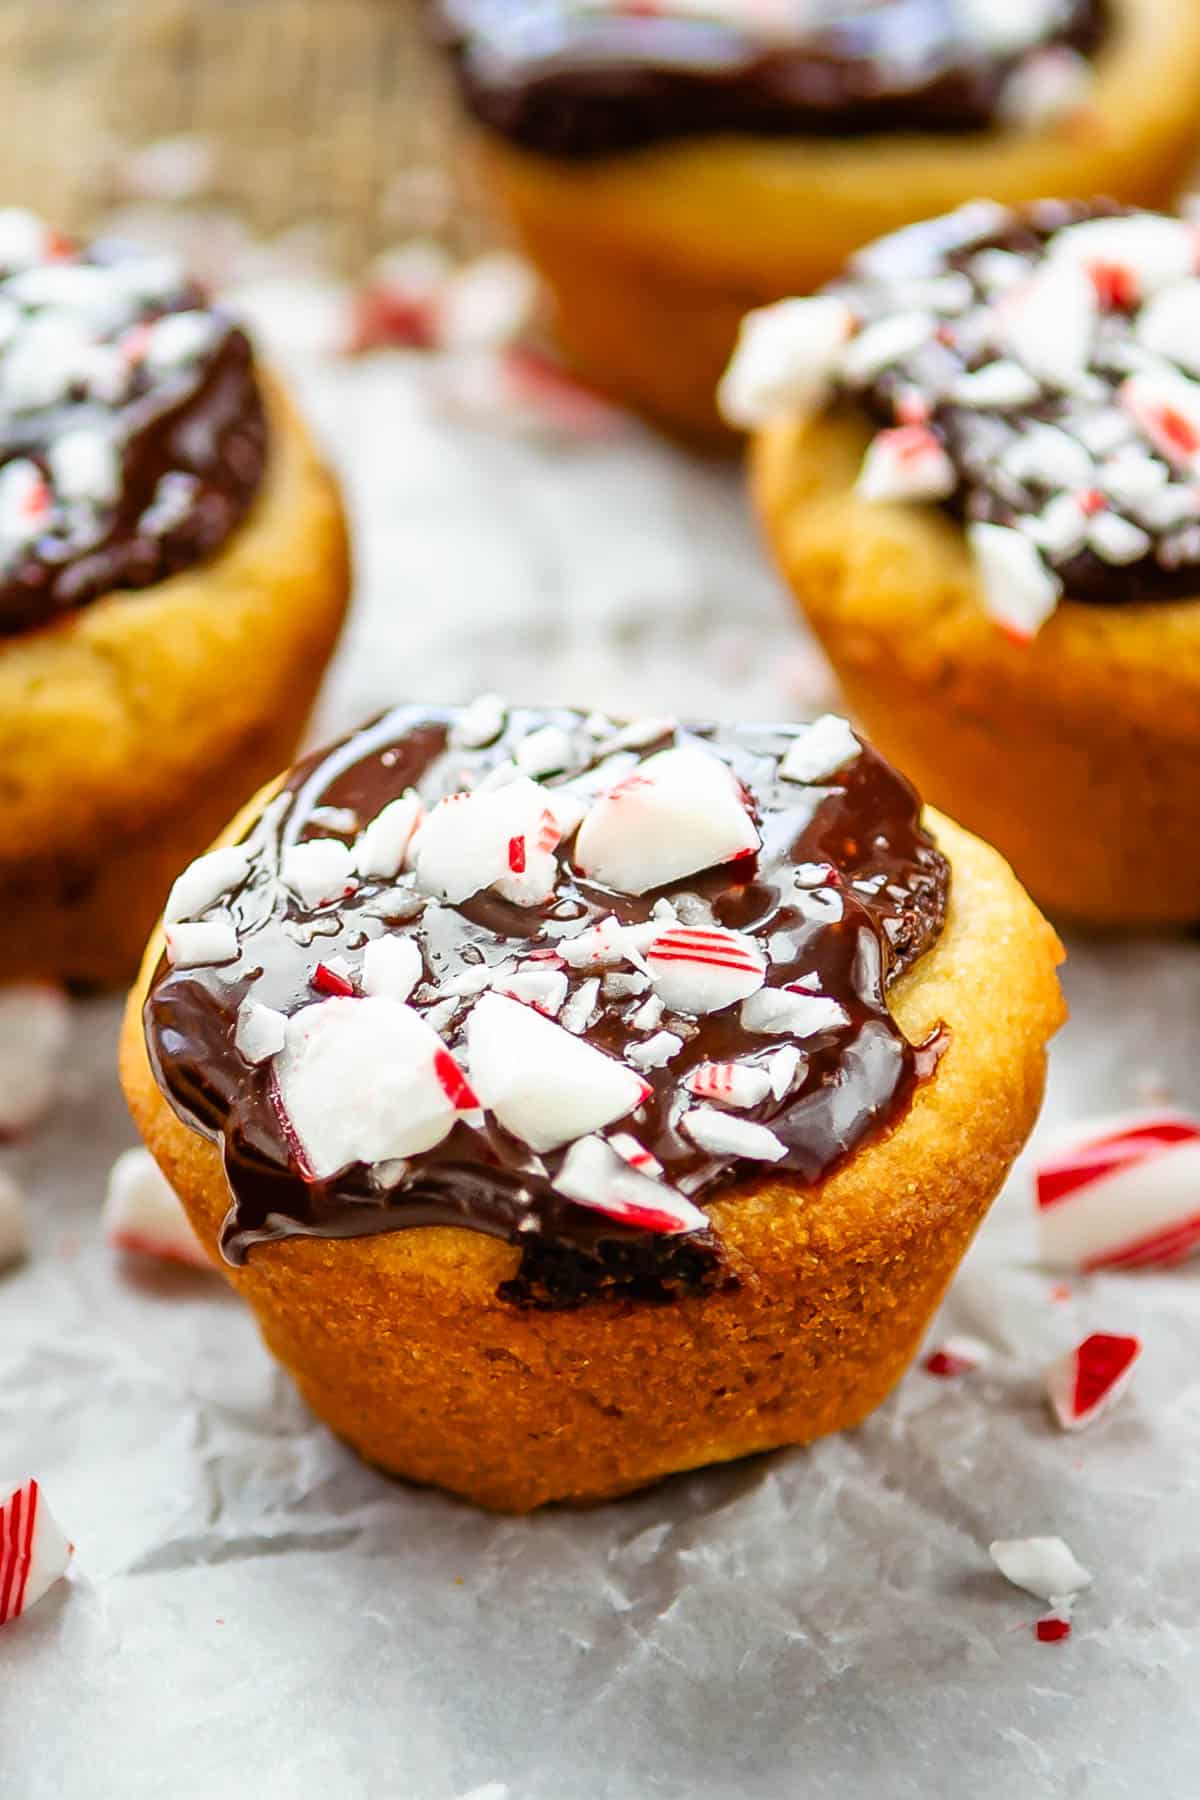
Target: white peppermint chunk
x,y
1004,28
318,871
997,384
480,723
1169,324
1047,325
783,1066
209,879
543,752
546,989
1050,457
392,966
649,1014
656,1052
907,462
703,971
595,1174
195,946
85,467
576,1015
544,1085
504,839
366,1081
1116,540
886,342
1019,591
601,946
819,750
1044,1566
679,812
178,339
43,361
1150,249
14,1224
143,1213
261,1031
24,504
24,239
1060,529
723,1135
1046,87
380,848
785,360
779,1011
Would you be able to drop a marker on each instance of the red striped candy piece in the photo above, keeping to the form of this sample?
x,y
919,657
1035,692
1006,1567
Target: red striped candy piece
x,y
698,970
143,1213
1121,1193
596,1175
34,1552
1085,1383
907,462
1166,408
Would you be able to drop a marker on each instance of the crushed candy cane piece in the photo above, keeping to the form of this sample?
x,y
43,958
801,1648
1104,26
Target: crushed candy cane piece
x,y
261,1031
545,989
380,849
318,871
1149,250
480,723
210,878
785,360
577,1013
819,750
635,1154
1047,325
699,972
504,838
203,943
1052,1629
1043,1566
143,1214
391,966
1019,591
906,462
365,1081
681,811
656,1052
14,1222
544,752
783,1066
595,1174
1165,407
34,1550
35,1024
543,1084
1087,1382
723,1135
776,1011
1120,1193
730,1083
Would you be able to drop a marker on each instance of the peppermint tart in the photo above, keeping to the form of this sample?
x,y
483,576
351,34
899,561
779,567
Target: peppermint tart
x,y
173,574
978,468
671,164
577,1102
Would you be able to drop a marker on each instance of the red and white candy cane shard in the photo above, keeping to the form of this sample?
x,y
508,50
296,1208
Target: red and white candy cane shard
x,y
907,462
502,838
1130,257
680,811
699,971
143,1214
381,847
1166,409
596,1175
34,1550
730,1083
1088,1381
34,1029
1121,1194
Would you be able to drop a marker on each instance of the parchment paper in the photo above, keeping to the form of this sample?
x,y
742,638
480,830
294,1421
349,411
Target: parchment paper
x,y
253,1613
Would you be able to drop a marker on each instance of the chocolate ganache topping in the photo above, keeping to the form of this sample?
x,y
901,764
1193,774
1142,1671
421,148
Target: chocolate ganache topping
x,y
544,977
590,77
132,433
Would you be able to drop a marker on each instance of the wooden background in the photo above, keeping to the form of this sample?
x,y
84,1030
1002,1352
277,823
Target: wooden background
x,y
317,110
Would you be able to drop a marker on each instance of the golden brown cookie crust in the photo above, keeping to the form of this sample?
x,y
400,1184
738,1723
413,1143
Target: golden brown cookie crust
x,y
401,1345
653,257
127,730
1077,755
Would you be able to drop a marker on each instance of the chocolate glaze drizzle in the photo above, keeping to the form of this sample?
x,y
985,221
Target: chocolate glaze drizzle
x,y
190,440
575,82
847,886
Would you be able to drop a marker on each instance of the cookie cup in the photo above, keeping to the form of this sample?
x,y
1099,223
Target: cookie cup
x,y
129,728
652,257
401,1344
1077,755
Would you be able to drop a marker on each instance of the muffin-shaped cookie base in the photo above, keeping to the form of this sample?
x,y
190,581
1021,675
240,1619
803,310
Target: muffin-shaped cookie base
x,y
653,257
402,1345
1077,755
128,729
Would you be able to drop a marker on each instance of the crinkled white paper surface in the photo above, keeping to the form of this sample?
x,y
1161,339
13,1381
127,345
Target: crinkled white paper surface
x,y
254,1613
